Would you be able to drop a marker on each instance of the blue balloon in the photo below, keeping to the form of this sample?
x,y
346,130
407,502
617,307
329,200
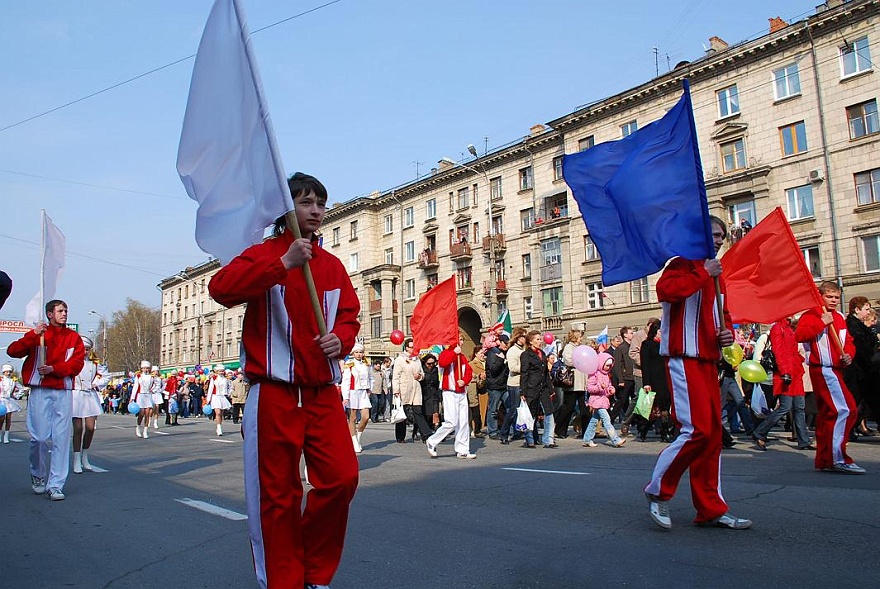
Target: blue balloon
x,y
133,408
2,409
207,410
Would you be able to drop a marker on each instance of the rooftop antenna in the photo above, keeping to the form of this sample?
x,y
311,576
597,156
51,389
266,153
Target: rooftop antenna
x,y
656,63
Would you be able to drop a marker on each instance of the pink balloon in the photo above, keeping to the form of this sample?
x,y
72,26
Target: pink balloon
x,y
585,359
549,338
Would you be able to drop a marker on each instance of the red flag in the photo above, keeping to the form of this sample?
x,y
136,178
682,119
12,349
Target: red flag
x,y
766,275
435,317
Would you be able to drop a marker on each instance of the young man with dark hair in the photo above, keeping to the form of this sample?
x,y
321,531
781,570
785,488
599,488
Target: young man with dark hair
x,y
293,406
49,369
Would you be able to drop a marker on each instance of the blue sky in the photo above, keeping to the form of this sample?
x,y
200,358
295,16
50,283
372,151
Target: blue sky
x,y
358,91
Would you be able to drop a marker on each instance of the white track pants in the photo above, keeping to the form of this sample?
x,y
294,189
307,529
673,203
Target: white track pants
x,y
50,425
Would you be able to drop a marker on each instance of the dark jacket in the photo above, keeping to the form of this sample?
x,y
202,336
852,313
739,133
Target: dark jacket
x,y
654,373
866,345
535,383
623,364
496,370
430,384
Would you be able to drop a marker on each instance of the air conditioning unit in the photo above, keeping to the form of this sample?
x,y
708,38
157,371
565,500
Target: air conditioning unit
x,y
817,175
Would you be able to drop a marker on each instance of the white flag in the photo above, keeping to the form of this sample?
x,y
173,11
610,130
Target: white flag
x,y
51,265
227,158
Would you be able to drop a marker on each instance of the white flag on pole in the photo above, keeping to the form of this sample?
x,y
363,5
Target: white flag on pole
x,y
227,159
53,245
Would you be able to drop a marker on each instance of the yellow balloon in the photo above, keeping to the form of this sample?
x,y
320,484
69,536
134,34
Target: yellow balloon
x,y
751,371
733,354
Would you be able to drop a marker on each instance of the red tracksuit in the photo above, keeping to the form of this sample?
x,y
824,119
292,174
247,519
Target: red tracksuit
x,y
837,410
65,353
690,342
293,408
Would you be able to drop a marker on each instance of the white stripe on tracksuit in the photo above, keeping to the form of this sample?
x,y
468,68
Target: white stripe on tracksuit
x,y
837,397
250,427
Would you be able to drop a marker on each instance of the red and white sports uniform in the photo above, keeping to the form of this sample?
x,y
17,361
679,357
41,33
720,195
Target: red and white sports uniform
x,y
292,409
141,390
356,385
690,342
837,410
456,414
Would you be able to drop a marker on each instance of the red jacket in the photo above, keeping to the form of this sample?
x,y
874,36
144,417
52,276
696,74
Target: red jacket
x,y
690,322
813,333
65,353
454,367
788,360
279,326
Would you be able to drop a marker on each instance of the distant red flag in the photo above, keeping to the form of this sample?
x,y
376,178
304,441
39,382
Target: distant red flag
x,y
766,276
435,317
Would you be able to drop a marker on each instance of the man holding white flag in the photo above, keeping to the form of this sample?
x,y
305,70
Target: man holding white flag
x,y
53,245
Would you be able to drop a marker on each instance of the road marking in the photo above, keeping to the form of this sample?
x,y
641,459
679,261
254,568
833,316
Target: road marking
x,y
17,440
119,426
547,471
155,431
222,441
213,509
98,469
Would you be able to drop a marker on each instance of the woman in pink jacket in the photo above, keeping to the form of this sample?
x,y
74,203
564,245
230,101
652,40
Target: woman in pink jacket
x,y
600,391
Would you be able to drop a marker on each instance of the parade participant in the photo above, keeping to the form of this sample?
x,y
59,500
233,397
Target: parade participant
x,y
356,395
239,396
172,383
837,410
10,390
599,392
455,376
141,394
406,378
692,337
218,396
86,406
536,389
49,368
156,391
518,344
293,405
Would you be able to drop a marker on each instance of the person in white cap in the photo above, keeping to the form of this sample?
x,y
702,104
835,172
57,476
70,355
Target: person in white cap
x,y
217,397
86,407
356,388
10,390
142,395
156,391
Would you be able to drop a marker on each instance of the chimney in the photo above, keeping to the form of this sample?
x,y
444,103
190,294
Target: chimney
x,y
536,129
445,163
777,24
717,44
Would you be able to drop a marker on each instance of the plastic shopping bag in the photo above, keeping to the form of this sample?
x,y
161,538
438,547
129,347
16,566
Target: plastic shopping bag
x,y
644,403
397,412
524,420
759,403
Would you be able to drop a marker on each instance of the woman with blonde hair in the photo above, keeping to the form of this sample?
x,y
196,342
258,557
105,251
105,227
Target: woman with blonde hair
x,y
10,390
86,407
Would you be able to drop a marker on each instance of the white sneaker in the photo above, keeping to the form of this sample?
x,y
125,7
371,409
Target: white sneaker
x,y
431,450
851,468
38,485
590,444
77,463
85,460
55,494
659,511
468,456
728,521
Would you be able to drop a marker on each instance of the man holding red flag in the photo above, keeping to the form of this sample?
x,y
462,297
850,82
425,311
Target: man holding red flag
x,y
456,375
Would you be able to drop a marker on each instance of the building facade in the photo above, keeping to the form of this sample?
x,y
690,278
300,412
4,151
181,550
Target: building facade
x,y
786,120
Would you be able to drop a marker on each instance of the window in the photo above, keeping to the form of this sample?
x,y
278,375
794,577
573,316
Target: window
x,y
551,251
595,295
433,280
527,265
728,101
862,119
800,202
409,251
497,224
354,230
590,250
868,187
476,233
389,255
527,307
525,178
464,198
389,224
527,218
793,138
495,188
638,291
431,209
743,210
476,192
586,143
811,257
376,327
335,236
557,168
552,298
855,57
463,276
871,248
410,289
409,217
733,155
353,262
786,82
627,129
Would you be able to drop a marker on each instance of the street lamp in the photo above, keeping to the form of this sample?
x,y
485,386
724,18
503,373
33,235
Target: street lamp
x,y
491,232
104,343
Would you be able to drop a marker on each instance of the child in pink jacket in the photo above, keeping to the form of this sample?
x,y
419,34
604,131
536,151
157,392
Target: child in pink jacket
x,y
600,391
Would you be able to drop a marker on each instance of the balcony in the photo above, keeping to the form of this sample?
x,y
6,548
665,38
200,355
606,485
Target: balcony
x,y
460,251
551,272
376,306
501,288
495,242
428,260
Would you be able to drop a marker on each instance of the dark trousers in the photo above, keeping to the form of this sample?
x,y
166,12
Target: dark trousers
x,y
416,416
621,400
237,410
571,401
513,401
476,419
377,406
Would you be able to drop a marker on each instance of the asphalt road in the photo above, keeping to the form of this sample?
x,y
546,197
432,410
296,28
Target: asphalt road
x,y
513,518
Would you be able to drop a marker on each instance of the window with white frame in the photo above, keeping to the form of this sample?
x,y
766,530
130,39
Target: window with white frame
x,y
855,57
871,251
595,295
431,208
591,252
497,224
786,82
354,230
410,289
586,143
638,291
552,299
557,168
629,128
353,262
733,155
409,217
527,218
868,186
409,251
376,327
800,202
742,210
495,188
728,101
793,138
551,251
811,257
527,265
464,198
389,224
862,119
389,255
528,310
525,178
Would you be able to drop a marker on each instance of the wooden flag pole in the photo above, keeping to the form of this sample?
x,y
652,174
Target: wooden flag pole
x,y
293,225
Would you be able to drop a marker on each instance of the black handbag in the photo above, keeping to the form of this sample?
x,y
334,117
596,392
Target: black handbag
x,y
768,360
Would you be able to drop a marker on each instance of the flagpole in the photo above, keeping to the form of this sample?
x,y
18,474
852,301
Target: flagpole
x,y
290,216
42,270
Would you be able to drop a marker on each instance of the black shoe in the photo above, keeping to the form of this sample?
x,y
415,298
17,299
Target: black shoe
x,y
810,447
551,445
505,441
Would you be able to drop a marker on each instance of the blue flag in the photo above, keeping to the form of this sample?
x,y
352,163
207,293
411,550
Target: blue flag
x,y
643,198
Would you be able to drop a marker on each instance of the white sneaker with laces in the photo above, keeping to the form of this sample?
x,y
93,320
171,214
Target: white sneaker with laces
x,y
38,485
851,468
468,456
728,521
55,494
659,511
431,450
590,444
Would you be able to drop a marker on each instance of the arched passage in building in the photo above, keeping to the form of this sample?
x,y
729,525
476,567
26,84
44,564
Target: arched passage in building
x,y
470,326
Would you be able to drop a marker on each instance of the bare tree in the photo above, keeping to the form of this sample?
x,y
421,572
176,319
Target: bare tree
x,y
133,335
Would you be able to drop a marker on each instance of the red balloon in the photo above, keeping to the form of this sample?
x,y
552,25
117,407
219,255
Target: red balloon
x,y
397,337
549,338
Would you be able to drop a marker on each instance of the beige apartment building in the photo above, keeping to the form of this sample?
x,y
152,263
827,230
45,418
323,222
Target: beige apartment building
x,y
787,120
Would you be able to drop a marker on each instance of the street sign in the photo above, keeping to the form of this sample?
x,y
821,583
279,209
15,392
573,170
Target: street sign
x,y
73,326
7,326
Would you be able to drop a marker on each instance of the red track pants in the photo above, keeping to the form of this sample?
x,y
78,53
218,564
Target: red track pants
x,y
836,418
